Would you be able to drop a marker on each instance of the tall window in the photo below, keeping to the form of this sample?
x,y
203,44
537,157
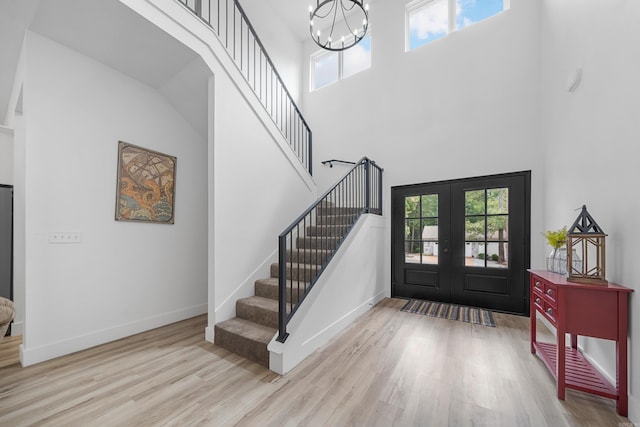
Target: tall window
x,y
429,20
329,67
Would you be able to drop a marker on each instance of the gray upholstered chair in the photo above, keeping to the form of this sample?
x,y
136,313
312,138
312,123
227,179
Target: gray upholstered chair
x,y
7,313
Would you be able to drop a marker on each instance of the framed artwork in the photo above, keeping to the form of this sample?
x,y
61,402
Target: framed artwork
x,y
146,185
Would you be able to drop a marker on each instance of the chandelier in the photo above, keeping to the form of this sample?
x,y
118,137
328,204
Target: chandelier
x,y
349,19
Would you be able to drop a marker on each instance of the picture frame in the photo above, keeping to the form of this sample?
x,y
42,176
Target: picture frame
x,y
145,190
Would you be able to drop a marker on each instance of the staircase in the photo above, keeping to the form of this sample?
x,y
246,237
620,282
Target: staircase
x,y
256,323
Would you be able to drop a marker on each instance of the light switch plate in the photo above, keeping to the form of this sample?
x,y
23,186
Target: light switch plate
x,y
65,237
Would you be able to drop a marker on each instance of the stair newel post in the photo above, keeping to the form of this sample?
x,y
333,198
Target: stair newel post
x,y
367,185
379,189
282,288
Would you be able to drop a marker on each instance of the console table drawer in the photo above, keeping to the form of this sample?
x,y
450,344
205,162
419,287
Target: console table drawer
x,y
550,312
547,290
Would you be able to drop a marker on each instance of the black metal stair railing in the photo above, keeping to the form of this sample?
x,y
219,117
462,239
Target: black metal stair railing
x,y
230,23
307,246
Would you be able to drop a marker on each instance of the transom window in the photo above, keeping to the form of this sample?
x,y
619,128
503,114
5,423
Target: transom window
x,y
329,67
429,20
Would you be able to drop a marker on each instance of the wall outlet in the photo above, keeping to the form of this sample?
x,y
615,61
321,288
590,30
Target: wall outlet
x,y
65,237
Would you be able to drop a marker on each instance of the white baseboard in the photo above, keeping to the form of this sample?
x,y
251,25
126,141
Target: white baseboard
x,y
209,334
281,363
17,328
333,329
30,356
634,410
227,309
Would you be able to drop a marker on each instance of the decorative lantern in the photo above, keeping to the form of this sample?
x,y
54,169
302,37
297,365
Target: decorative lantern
x,y
586,250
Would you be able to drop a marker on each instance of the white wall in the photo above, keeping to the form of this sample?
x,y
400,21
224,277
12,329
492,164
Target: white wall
x,y
463,106
6,156
592,137
356,275
123,277
257,195
259,185
18,223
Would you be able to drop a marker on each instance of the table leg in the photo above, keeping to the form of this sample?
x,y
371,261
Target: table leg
x,y
561,325
621,356
532,319
560,364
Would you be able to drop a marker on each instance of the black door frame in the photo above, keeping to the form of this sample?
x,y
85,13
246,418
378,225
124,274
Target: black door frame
x,y
10,187
527,223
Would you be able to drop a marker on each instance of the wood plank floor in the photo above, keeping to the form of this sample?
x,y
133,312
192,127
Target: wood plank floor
x,y
390,368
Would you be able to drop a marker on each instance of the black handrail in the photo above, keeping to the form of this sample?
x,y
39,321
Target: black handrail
x,y
332,161
325,225
234,30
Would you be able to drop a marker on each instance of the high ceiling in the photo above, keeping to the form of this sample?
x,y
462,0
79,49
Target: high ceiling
x,y
88,27
112,34
295,14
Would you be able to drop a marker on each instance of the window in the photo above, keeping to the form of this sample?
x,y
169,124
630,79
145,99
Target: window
x,y
429,20
329,67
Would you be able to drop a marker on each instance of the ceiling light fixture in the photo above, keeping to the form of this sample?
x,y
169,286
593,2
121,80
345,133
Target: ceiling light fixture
x,y
348,18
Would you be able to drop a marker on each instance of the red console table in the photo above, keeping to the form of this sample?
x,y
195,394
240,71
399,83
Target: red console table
x,y
599,311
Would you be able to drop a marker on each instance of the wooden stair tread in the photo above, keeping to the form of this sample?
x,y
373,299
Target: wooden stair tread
x,y
260,302
269,288
247,329
273,281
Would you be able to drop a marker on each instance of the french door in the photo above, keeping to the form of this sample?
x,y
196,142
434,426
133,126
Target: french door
x,y
464,241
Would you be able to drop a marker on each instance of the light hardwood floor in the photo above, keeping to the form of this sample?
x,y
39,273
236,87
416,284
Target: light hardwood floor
x,y
388,368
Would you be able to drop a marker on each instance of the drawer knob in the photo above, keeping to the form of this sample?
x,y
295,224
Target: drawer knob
x,y
537,300
550,310
538,285
550,292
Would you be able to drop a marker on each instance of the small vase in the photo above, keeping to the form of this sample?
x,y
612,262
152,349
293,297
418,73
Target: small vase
x,y
561,260
551,260
557,261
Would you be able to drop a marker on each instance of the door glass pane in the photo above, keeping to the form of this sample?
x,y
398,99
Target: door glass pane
x,y
412,252
487,228
430,229
412,229
497,201
430,205
497,255
430,240
474,254
497,226
412,207
474,228
474,202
